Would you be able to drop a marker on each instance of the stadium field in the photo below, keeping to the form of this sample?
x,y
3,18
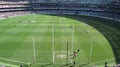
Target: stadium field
x,y
49,41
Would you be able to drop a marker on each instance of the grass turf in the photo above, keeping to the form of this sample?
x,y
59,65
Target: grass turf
x,y
16,41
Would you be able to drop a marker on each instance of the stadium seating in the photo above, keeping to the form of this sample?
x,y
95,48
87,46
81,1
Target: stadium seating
x,y
98,8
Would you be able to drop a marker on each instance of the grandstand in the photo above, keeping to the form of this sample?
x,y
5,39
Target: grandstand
x,y
101,8
105,12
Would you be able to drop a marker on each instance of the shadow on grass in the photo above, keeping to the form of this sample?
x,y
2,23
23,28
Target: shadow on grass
x,y
109,28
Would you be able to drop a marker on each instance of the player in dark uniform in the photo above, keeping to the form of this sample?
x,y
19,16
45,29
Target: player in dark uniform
x,y
106,64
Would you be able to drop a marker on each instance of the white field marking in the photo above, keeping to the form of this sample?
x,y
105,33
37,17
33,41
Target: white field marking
x,y
90,64
34,49
53,43
56,53
49,63
91,50
59,53
103,61
12,60
61,56
42,63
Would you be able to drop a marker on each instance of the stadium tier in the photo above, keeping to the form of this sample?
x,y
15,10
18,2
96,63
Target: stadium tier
x,y
106,10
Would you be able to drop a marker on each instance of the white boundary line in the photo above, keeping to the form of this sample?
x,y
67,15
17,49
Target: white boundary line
x,y
53,43
12,60
34,49
103,61
49,63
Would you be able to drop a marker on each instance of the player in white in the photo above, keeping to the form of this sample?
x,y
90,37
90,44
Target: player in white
x,y
75,53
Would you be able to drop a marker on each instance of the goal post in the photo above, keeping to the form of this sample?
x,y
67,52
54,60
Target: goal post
x,y
67,54
34,54
72,39
67,51
72,45
91,49
53,54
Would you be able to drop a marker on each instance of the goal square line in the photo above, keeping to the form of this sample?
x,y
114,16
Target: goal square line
x,y
60,57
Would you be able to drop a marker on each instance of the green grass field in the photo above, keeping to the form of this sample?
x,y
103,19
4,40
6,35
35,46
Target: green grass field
x,y
42,41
